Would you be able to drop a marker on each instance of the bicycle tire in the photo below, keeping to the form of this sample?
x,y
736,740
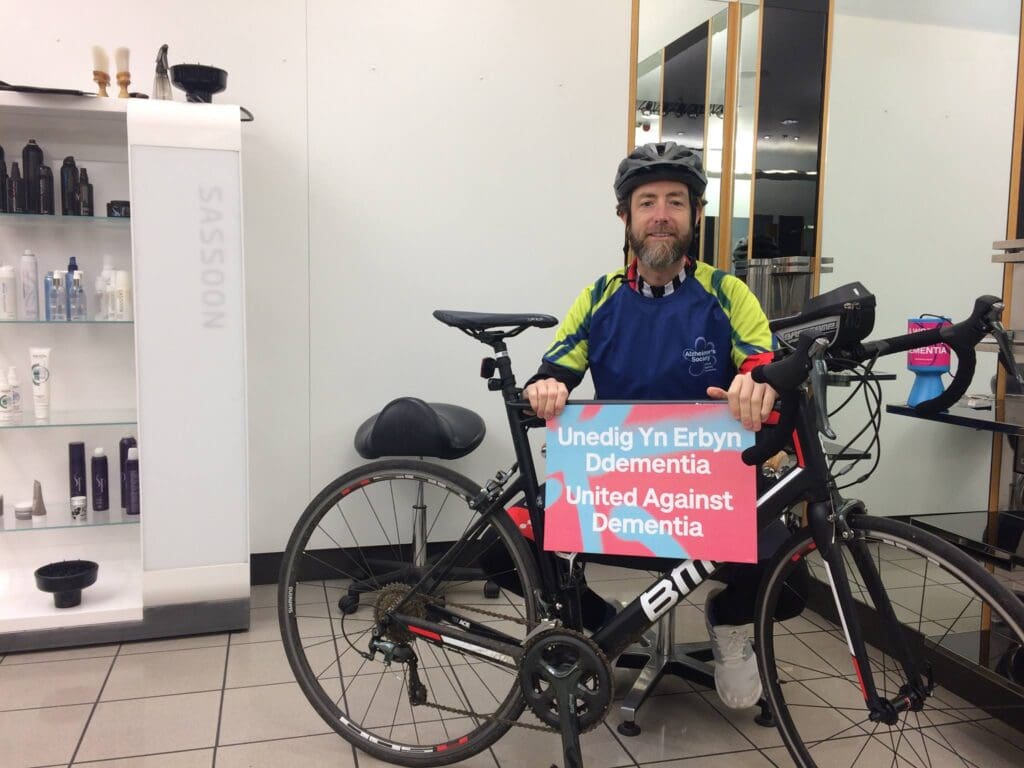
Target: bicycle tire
x,y
933,587
337,691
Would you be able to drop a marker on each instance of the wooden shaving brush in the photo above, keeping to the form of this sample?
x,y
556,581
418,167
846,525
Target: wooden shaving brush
x,y
100,69
124,77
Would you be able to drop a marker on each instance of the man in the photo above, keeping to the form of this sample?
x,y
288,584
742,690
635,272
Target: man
x,y
668,327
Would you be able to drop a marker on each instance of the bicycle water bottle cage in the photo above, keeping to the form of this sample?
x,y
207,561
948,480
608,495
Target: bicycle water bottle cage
x,y
843,316
410,427
493,328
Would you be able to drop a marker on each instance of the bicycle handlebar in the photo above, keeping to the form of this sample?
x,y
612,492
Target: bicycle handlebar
x,y
788,374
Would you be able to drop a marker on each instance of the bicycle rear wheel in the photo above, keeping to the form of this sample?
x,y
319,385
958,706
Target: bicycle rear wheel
x,y
962,625
361,544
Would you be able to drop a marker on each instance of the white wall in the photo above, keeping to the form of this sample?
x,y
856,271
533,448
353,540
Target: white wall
x,y
917,175
462,157
405,156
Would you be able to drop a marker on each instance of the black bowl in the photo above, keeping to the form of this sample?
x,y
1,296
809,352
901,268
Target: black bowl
x,y
66,580
198,81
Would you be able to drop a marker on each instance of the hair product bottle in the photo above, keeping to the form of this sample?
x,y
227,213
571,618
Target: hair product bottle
x,y
28,272
15,385
46,190
132,470
58,303
3,182
123,447
84,194
76,469
69,187
100,481
15,190
32,160
8,296
6,406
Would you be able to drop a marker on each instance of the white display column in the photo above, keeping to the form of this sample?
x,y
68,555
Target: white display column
x,y
186,192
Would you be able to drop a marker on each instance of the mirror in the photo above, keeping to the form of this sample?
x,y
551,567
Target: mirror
x,y
683,88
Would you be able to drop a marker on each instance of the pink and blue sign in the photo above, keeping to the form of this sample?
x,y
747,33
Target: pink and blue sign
x,y
650,479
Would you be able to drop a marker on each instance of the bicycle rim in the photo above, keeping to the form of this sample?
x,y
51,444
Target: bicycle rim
x,y
353,541
941,598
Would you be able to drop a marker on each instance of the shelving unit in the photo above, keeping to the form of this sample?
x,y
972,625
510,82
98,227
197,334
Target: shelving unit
x,y
178,386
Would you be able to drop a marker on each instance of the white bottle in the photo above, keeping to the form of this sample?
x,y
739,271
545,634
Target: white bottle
x,y
99,299
8,297
28,273
123,295
105,304
12,382
6,407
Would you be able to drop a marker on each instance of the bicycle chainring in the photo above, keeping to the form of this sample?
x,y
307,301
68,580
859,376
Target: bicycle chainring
x,y
557,658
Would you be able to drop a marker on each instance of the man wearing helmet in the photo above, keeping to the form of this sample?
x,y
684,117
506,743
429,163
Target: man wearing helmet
x,y
669,327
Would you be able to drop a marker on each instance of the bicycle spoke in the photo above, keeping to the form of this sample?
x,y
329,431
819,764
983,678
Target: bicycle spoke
x,y
932,600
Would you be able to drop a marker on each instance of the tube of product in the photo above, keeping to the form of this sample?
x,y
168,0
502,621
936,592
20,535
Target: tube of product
x,y
39,360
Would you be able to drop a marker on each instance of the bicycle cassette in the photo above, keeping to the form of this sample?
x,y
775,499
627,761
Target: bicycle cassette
x,y
558,661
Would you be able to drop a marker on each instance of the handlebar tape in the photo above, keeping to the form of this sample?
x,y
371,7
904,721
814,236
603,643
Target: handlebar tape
x,y
966,360
778,437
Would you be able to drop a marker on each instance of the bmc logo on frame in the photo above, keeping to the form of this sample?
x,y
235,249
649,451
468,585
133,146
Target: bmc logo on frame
x,y
680,582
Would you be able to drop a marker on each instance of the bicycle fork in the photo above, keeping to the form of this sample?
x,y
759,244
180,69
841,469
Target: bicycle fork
x,y
830,532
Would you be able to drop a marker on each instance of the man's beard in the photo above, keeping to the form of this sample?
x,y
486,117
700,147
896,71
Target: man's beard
x,y
659,254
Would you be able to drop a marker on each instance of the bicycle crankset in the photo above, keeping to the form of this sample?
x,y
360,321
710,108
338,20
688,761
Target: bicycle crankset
x,y
561,665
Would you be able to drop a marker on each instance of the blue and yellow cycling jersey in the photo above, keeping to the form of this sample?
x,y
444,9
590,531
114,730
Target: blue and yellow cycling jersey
x,y
668,348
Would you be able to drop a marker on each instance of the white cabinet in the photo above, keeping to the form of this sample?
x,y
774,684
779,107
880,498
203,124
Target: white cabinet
x,y
174,378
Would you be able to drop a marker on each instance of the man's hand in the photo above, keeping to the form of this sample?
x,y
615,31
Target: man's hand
x,y
547,397
749,401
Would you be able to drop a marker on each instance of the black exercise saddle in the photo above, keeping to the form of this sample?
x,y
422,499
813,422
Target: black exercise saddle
x,y
409,426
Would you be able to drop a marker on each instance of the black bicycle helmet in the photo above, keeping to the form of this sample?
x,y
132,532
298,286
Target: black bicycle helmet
x,y
666,161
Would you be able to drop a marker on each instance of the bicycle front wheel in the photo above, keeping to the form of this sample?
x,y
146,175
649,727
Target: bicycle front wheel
x,y
965,631
359,548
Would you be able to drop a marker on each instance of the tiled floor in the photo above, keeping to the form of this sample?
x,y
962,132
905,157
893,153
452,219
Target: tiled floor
x,y
230,701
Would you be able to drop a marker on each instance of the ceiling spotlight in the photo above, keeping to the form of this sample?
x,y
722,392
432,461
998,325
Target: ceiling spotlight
x,y
796,138
790,121
766,136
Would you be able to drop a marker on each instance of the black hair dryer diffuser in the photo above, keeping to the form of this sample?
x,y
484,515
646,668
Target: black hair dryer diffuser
x,y
198,81
66,580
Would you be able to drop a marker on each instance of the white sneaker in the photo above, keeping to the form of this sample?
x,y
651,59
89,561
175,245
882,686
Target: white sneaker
x,y
736,678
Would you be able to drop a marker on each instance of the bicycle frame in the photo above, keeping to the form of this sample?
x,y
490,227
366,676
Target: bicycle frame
x,y
809,481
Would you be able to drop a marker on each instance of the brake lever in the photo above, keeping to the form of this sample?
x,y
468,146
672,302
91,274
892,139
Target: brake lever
x,y
819,387
1006,352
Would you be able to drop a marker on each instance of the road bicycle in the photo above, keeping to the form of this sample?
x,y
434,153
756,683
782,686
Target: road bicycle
x,y
424,669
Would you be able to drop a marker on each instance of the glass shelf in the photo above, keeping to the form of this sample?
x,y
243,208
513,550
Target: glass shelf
x,y
84,418
30,219
58,515
68,322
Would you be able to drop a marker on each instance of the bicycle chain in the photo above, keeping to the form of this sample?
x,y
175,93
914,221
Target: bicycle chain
x,y
478,715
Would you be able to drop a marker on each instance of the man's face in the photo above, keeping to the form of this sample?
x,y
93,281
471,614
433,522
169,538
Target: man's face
x,y
660,228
